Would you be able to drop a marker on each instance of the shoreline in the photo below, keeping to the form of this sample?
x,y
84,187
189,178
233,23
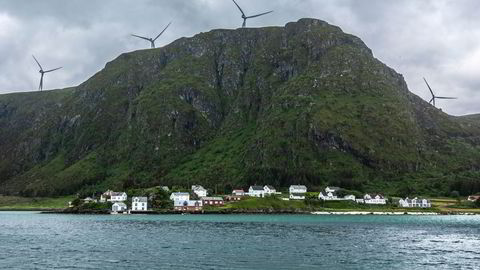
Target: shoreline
x,y
262,212
28,209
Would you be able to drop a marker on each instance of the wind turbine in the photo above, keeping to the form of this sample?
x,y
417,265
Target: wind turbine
x,y
245,17
433,95
42,72
152,40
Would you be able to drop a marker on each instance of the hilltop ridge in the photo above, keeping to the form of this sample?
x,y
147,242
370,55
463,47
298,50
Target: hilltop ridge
x,y
304,103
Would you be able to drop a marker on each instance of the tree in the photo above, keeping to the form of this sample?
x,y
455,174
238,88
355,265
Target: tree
x,y
160,199
77,202
455,194
477,203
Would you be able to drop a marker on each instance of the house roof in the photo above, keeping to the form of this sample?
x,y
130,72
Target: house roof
x,y
238,190
180,193
198,187
325,194
375,195
334,188
256,187
270,187
140,199
117,193
108,192
212,199
120,204
298,187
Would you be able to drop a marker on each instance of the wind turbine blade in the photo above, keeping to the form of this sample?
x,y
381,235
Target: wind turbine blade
x,y
429,88
243,13
53,69
162,31
261,14
141,37
431,101
37,62
446,97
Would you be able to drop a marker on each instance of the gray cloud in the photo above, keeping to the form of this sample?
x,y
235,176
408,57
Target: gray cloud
x,y
438,39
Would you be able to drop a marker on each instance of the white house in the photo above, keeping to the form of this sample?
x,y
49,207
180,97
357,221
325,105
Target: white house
x,y
180,196
415,202
89,200
256,191
117,197
374,199
269,190
297,192
139,203
119,207
238,192
328,196
349,197
188,205
199,190
331,189
473,198
107,194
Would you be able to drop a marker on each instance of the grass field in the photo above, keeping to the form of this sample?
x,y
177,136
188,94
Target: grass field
x,y
23,203
453,205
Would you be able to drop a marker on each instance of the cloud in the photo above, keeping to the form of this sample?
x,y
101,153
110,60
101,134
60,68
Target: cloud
x,y
437,39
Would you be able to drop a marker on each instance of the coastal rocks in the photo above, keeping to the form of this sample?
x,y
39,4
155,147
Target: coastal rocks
x,y
374,213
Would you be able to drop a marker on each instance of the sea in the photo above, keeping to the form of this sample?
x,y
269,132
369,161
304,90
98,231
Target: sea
x,y
30,240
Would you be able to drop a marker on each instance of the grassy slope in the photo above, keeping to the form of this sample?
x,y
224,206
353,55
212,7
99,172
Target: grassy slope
x,y
302,104
22,203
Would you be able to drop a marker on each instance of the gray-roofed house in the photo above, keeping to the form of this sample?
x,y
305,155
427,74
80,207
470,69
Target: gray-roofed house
x,y
297,192
117,197
269,190
180,196
256,191
374,199
119,207
331,189
328,196
199,190
139,204
415,202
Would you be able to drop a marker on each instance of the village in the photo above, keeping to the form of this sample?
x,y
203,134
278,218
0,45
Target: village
x,y
197,199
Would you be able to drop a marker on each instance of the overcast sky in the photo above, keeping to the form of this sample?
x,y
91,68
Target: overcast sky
x,y
438,39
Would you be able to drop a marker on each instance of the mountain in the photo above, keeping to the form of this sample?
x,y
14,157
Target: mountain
x,y
304,103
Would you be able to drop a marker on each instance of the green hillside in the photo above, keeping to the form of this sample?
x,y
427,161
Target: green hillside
x,y
305,103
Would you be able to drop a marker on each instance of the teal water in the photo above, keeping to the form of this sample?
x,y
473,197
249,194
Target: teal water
x,y
47,241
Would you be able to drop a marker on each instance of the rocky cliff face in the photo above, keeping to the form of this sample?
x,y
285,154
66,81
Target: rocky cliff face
x,y
304,103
